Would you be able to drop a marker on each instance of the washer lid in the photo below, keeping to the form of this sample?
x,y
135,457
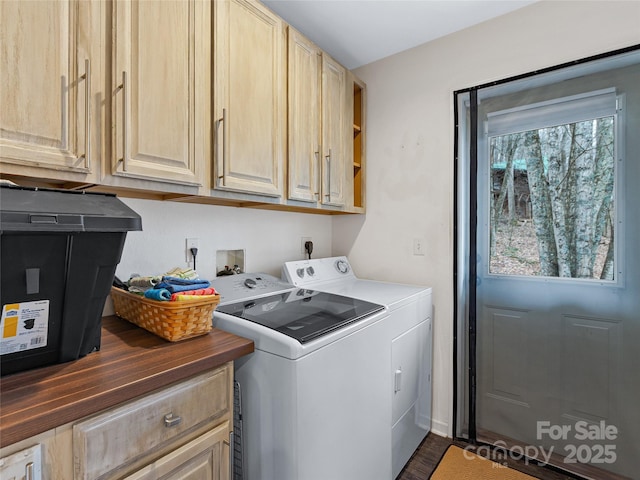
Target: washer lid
x,y
302,314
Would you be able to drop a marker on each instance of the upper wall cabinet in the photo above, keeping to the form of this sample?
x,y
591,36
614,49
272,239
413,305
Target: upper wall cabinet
x,y
50,89
190,100
160,92
304,118
319,126
249,99
336,133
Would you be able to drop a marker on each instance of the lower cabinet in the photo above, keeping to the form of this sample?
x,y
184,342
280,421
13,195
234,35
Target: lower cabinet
x,y
178,432
205,457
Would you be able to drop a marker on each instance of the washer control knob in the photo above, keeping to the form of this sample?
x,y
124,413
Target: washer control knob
x,y
342,266
250,283
300,272
311,271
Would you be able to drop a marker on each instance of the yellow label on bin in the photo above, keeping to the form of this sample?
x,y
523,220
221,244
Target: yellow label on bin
x,y
24,326
10,327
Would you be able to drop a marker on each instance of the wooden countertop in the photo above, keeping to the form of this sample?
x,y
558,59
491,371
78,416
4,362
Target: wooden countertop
x,y
131,362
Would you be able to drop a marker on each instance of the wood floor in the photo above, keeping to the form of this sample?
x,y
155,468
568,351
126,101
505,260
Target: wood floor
x,y
428,454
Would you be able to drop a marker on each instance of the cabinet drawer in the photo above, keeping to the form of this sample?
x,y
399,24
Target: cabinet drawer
x,y
119,437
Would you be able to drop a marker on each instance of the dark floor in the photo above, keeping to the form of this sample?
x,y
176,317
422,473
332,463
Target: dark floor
x,y
428,454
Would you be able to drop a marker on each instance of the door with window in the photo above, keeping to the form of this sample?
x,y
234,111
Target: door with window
x,y
558,270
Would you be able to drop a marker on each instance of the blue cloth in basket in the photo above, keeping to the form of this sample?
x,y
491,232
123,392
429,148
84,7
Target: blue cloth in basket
x,y
175,284
161,294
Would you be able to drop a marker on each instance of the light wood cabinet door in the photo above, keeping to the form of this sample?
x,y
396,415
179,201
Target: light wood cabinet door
x,y
304,118
153,426
335,132
48,89
249,98
205,458
56,453
161,61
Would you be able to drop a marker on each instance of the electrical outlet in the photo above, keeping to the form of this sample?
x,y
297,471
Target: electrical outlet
x,y
303,240
418,246
190,243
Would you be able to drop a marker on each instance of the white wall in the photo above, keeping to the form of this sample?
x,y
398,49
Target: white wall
x,y
269,238
410,144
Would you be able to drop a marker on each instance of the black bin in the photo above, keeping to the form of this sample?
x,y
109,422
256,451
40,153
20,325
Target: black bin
x,y
59,252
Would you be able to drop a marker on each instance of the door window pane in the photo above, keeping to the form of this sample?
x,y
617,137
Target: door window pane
x,y
552,201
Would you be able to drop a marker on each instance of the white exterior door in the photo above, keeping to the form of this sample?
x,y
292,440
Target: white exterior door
x,y
557,271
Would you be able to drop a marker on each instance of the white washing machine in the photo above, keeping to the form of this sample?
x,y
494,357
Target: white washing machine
x,y
315,403
407,345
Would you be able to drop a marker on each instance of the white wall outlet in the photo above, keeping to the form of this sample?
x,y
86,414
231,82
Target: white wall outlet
x,y
190,243
419,246
303,240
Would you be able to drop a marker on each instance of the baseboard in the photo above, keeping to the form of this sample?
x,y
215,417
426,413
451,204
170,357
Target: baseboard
x,y
440,428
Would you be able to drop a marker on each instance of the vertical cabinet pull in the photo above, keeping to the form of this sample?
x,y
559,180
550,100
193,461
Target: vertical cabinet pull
x,y
123,87
316,168
328,158
223,161
28,471
87,113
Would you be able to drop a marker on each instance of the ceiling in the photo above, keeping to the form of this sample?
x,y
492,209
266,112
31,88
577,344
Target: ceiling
x,y
357,32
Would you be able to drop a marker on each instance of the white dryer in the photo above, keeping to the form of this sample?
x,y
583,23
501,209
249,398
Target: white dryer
x,y
408,331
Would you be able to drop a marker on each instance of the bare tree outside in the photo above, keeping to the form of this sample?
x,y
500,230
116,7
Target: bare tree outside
x,y
552,201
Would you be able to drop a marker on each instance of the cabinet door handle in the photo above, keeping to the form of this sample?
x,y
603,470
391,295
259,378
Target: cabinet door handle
x,y
316,168
28,471
171,421
123,87
328,158
222,163
87,113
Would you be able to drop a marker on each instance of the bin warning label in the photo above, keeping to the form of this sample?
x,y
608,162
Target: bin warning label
x,y
24,326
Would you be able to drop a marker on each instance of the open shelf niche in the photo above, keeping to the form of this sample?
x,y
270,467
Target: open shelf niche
x,y
358,143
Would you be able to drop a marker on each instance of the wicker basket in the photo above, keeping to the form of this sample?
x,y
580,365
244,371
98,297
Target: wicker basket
x,y
172,321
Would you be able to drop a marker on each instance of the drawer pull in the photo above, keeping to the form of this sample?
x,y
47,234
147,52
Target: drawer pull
x,y
171,421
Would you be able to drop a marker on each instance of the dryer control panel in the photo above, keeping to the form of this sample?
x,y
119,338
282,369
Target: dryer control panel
x,y
306,273
235,288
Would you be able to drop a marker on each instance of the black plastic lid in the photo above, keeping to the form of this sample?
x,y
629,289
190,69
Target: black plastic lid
x,y
51,210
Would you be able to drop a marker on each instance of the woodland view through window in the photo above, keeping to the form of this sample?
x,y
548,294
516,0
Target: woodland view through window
x,y
552,201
